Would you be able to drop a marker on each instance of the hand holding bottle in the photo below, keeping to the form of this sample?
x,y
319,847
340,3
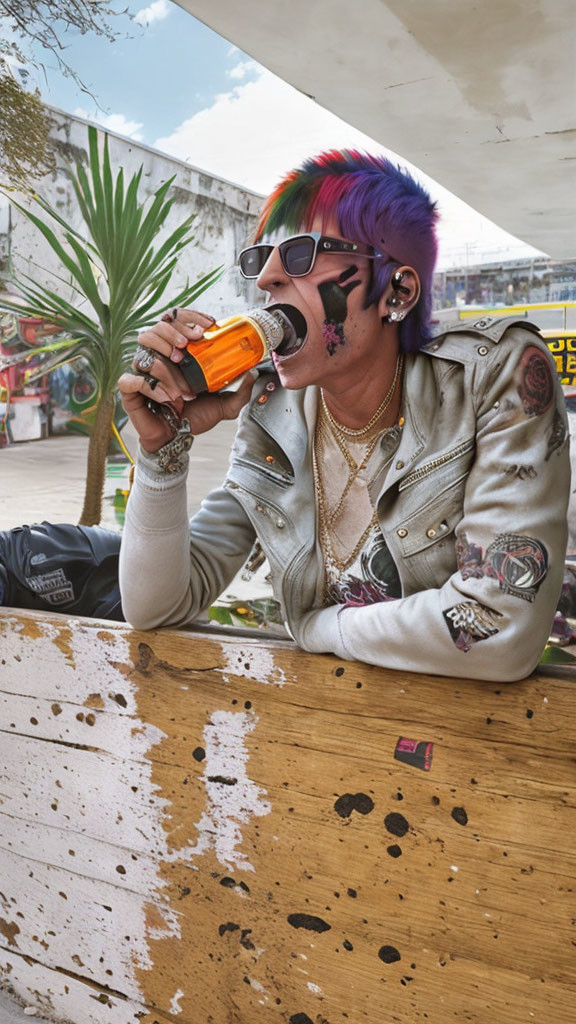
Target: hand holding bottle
x,y
156,377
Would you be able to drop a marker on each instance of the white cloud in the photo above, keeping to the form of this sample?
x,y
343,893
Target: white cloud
x,y
114,123
259,130
242,69
156,11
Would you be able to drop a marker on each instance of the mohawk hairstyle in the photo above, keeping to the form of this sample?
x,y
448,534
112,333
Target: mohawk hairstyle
x,y
374,202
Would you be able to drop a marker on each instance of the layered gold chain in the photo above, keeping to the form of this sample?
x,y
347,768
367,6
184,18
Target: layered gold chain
x,y
326,518
326,427
339,428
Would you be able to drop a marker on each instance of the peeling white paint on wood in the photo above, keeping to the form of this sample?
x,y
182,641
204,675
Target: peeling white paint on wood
x,y
175,1007
81,834
253,662
233,799
81,821
63,998
88,882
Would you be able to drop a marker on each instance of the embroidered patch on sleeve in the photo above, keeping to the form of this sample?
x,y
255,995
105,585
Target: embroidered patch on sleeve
x,y
519,563
535,382
470,622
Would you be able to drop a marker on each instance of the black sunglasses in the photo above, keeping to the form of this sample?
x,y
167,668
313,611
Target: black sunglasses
x,y
298,254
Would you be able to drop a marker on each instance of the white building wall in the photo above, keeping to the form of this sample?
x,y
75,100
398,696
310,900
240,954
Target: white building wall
x,y
226,217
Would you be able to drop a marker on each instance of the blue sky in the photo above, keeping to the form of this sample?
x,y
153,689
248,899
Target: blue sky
x,y
172,83
156,74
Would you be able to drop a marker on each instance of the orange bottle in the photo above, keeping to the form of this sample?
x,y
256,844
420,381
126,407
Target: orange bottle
x,y
232,347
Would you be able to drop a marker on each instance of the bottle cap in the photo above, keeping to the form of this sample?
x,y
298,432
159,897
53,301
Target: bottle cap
x,y
271,326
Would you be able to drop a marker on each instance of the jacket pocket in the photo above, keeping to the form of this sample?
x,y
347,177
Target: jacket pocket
x,y
434,521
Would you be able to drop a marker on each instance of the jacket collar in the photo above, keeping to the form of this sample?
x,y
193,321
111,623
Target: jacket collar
x,y
288,417
283,417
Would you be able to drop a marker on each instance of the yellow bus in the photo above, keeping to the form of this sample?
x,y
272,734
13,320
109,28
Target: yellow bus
x,y
562,345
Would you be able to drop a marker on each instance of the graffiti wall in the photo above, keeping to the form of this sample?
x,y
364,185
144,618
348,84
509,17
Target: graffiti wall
x,y
38,395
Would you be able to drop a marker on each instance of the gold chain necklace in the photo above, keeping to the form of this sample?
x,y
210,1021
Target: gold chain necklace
x,y
354,468
339,428
326,519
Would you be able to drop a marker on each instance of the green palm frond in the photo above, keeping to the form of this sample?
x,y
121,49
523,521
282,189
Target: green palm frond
x,y
119,273
115,263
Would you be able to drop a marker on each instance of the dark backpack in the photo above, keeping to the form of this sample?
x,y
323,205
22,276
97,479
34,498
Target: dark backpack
x,y
61,568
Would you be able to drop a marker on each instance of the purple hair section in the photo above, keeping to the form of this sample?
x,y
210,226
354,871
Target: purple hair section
x,y
374,202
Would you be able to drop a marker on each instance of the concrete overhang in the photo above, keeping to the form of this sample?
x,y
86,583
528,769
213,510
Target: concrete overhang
x,y
479,94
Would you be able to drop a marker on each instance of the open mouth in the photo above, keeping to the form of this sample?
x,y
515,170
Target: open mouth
x,y
295,329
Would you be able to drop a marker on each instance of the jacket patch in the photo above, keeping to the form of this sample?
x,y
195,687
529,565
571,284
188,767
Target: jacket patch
x,y
519,563
470,622
55,587
534,382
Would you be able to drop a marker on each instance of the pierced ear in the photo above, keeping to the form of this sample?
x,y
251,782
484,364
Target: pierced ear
x,y
400,295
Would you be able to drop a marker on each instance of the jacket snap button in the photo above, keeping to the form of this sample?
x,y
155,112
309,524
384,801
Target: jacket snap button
x,y
271,386
262,399
482,351
431,533
232,485
399,464
402,532
260,508
280,524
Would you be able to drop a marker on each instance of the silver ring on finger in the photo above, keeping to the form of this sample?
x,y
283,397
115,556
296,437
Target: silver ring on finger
x,y
144,359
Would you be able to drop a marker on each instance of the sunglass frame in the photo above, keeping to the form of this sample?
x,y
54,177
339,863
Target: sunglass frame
x,y
327,244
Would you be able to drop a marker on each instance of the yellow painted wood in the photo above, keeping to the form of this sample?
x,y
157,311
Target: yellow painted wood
x,y
237,806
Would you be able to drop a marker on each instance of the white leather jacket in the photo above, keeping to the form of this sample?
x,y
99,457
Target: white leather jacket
x,y
473,509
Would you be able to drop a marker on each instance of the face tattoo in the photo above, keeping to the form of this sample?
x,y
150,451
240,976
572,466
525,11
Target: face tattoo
x,y
334,297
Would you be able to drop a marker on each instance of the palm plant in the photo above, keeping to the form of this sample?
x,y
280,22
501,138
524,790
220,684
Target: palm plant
x,y
116,269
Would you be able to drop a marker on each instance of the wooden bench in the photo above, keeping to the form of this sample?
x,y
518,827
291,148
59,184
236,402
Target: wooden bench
x,y
216,829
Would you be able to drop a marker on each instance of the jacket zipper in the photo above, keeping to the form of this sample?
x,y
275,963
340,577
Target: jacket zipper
x,y
430,467
279,478
262,504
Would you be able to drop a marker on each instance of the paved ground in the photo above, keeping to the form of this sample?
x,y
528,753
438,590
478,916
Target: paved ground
x,y
45,479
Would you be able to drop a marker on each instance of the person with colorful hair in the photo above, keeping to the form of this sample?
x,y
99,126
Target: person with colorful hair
x,y
408,484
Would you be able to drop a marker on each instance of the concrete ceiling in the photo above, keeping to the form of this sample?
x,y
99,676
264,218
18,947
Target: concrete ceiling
x,y
480,94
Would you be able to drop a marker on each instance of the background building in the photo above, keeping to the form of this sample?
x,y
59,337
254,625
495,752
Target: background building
x,y
506,283
226,217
